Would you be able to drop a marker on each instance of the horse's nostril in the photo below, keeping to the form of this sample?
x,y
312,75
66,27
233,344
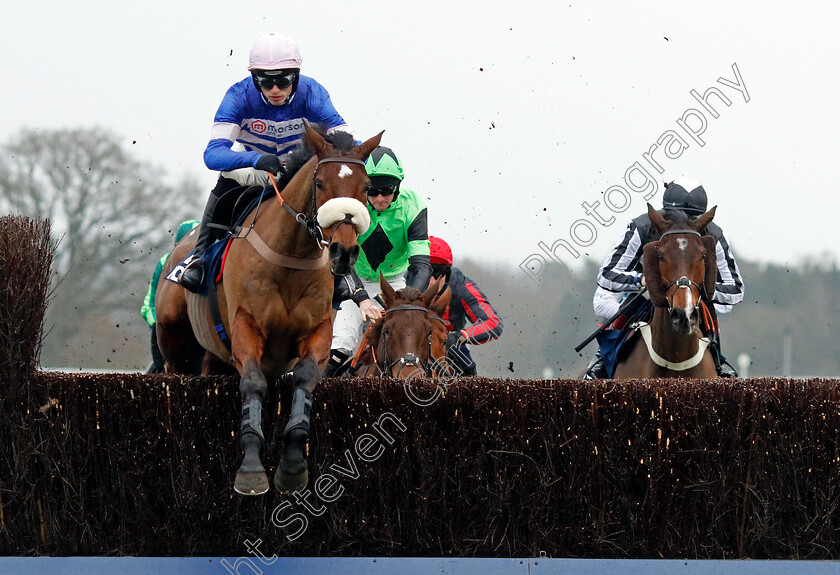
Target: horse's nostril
x,y
335,251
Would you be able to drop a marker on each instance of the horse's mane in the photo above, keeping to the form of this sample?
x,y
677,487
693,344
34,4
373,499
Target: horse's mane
x,y
341,141
677,217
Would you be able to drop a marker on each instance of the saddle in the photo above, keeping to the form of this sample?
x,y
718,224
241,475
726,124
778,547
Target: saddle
x,y
233,206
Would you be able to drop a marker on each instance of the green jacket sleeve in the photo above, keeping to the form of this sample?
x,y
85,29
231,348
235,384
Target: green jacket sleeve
x,y
147,310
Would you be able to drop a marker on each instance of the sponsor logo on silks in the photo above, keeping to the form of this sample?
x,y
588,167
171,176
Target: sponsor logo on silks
x,y
277,129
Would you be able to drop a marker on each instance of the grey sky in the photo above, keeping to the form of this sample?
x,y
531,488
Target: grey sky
x,y
506,118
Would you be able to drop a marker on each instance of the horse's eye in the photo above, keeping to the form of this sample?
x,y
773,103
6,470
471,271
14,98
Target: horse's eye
x,y
660,255
368,187
386,331
319,184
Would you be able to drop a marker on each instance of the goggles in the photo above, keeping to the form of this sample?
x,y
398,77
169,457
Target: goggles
x,y
381,191
439,270
280,78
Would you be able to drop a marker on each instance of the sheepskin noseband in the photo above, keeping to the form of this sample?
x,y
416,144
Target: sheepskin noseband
x,y
337,209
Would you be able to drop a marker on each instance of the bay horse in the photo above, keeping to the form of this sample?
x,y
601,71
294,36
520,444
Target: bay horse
x,y
410,339
274,300
680,271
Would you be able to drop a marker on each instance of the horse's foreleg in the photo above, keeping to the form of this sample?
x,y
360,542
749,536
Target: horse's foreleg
x,y
292,473
248,344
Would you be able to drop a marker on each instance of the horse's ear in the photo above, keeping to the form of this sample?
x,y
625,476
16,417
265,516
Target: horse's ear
x,y
313,140
370,145
704,220
710,279
653,278
658,221
441,302
431,292
388,293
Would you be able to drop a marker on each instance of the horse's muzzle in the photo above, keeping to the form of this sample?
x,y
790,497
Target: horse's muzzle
x,y
684,323
343,259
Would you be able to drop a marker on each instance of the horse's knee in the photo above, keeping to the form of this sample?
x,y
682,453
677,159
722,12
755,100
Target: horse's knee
x,y
253,382
305,373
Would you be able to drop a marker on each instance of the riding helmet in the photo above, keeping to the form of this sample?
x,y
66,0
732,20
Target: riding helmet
x,y
440,252
273,53
384,169
685,194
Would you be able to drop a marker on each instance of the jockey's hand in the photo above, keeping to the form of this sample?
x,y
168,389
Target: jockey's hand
x,y
643,281
455,339
272,164
370,310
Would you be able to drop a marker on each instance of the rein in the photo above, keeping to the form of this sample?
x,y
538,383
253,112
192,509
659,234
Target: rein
x,y
310,223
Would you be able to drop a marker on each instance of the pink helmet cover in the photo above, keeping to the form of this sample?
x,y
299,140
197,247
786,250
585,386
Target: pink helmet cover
x,y
274,52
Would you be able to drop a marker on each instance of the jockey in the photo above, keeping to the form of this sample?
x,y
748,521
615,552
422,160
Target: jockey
x,y
468,303
147,310
396,245
622,274
264,116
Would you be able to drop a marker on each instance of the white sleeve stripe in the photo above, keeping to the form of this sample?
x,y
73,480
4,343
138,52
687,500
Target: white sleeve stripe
x,y
729,289
224,131
618,277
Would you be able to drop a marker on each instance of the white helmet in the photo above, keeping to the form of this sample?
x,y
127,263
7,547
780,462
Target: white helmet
x,y
274,52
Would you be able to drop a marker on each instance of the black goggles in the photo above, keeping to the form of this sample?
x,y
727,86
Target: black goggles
x,y
282,79
382,191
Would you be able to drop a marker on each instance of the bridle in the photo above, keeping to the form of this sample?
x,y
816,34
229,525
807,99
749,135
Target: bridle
x,y
311,222
645,327
409,358
683,281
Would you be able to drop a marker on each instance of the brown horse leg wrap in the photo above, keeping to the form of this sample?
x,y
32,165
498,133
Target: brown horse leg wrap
x,y
252,419
301,407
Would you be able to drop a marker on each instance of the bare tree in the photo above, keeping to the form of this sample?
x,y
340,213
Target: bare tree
x,y
113,218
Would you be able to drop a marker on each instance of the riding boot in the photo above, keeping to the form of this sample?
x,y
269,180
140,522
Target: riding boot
x,y
721,365
337,358
193,276
596,368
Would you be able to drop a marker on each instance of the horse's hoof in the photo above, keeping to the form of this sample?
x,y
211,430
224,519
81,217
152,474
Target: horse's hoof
x,y
251,483
289,482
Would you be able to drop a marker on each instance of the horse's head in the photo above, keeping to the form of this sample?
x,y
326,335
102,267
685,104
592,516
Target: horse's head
x,y
680,267
410,335
339,184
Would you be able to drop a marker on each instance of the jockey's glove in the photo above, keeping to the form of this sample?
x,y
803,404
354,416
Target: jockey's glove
x,y
455,339
272,164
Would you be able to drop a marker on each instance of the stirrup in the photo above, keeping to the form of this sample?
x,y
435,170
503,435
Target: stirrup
x,y
193,261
